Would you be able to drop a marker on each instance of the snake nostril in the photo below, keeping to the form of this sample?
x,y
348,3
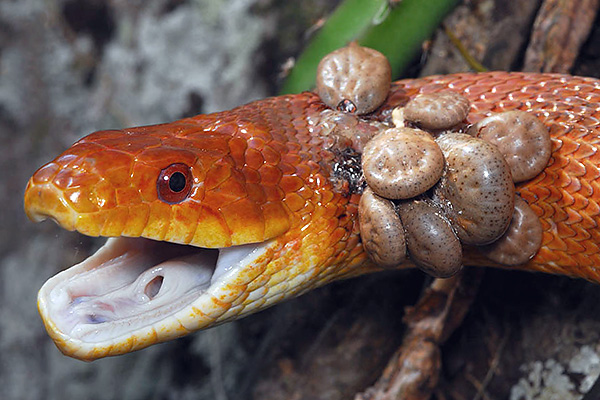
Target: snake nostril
x,y
153,287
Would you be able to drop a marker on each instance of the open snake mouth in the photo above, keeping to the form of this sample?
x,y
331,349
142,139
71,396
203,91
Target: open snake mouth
x,y
136,285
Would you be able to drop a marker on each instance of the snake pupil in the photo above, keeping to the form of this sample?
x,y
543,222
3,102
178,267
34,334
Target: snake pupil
x,y
177,182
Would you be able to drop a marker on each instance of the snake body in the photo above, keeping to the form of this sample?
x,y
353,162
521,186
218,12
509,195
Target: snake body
x,y
263,173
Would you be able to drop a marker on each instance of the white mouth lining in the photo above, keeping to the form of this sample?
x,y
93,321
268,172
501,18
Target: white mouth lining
x,y
73,303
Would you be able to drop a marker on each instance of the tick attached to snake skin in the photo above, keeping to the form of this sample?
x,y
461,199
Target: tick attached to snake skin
x,y
218,216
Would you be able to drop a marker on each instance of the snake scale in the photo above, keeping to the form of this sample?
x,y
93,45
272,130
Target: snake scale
x,y
268,193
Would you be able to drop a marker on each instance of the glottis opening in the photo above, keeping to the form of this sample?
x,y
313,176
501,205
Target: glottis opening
x,y
133,283
153,287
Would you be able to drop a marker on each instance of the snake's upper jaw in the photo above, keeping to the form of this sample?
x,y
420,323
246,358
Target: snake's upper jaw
x,y
135,292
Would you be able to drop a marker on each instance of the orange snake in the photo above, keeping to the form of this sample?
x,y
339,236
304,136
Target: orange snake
x,y
261,174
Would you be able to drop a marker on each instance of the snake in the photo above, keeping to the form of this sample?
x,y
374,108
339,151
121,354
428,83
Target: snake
x,y
217,216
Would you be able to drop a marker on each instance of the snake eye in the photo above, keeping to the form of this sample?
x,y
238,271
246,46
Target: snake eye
x,y
174,183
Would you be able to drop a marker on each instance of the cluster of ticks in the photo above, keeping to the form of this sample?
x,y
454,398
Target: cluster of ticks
x,y
434,183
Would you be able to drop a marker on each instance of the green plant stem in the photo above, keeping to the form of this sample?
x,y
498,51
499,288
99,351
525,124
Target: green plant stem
x,y
398,32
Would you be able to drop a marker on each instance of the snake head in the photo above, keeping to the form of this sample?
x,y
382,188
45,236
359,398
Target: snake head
x,y
191,182
209,218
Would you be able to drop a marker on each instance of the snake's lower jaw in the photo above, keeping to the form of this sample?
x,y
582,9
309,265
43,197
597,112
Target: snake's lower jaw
x,y
136,292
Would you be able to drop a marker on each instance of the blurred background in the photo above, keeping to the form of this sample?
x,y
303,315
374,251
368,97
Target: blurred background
x,y
71,67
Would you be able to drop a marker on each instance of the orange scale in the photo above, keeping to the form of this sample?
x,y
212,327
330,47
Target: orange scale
x,y
481,108
227,128
338,236
592,139
143,177
433,87
589,122
565,231
218,173
575,168
581,234
331,211
558,162
199,170
534,193
270,175
218,198
589,222
493,97
293,147
184,221
107,134
560,215
575,103
585,189
292,159
586,88
256,193
237,150
115,222
127,196
547,237
253,158
307,210
131,144
502,87
574,248
326,196
214,146
245,221
212,230
103,193
547,210
161,157
186,127
585,258
305,192
137,221
119,176
556,243
294,202
251,175
178,142
591,167
46,173
197,193
459,85
595,187
291,183
506,105
234,186
70,178
276,218
585,150
592,209
256,143
271,155
273,193
590,248
572,187
79,199
287,169
90,224
68,159
158,222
